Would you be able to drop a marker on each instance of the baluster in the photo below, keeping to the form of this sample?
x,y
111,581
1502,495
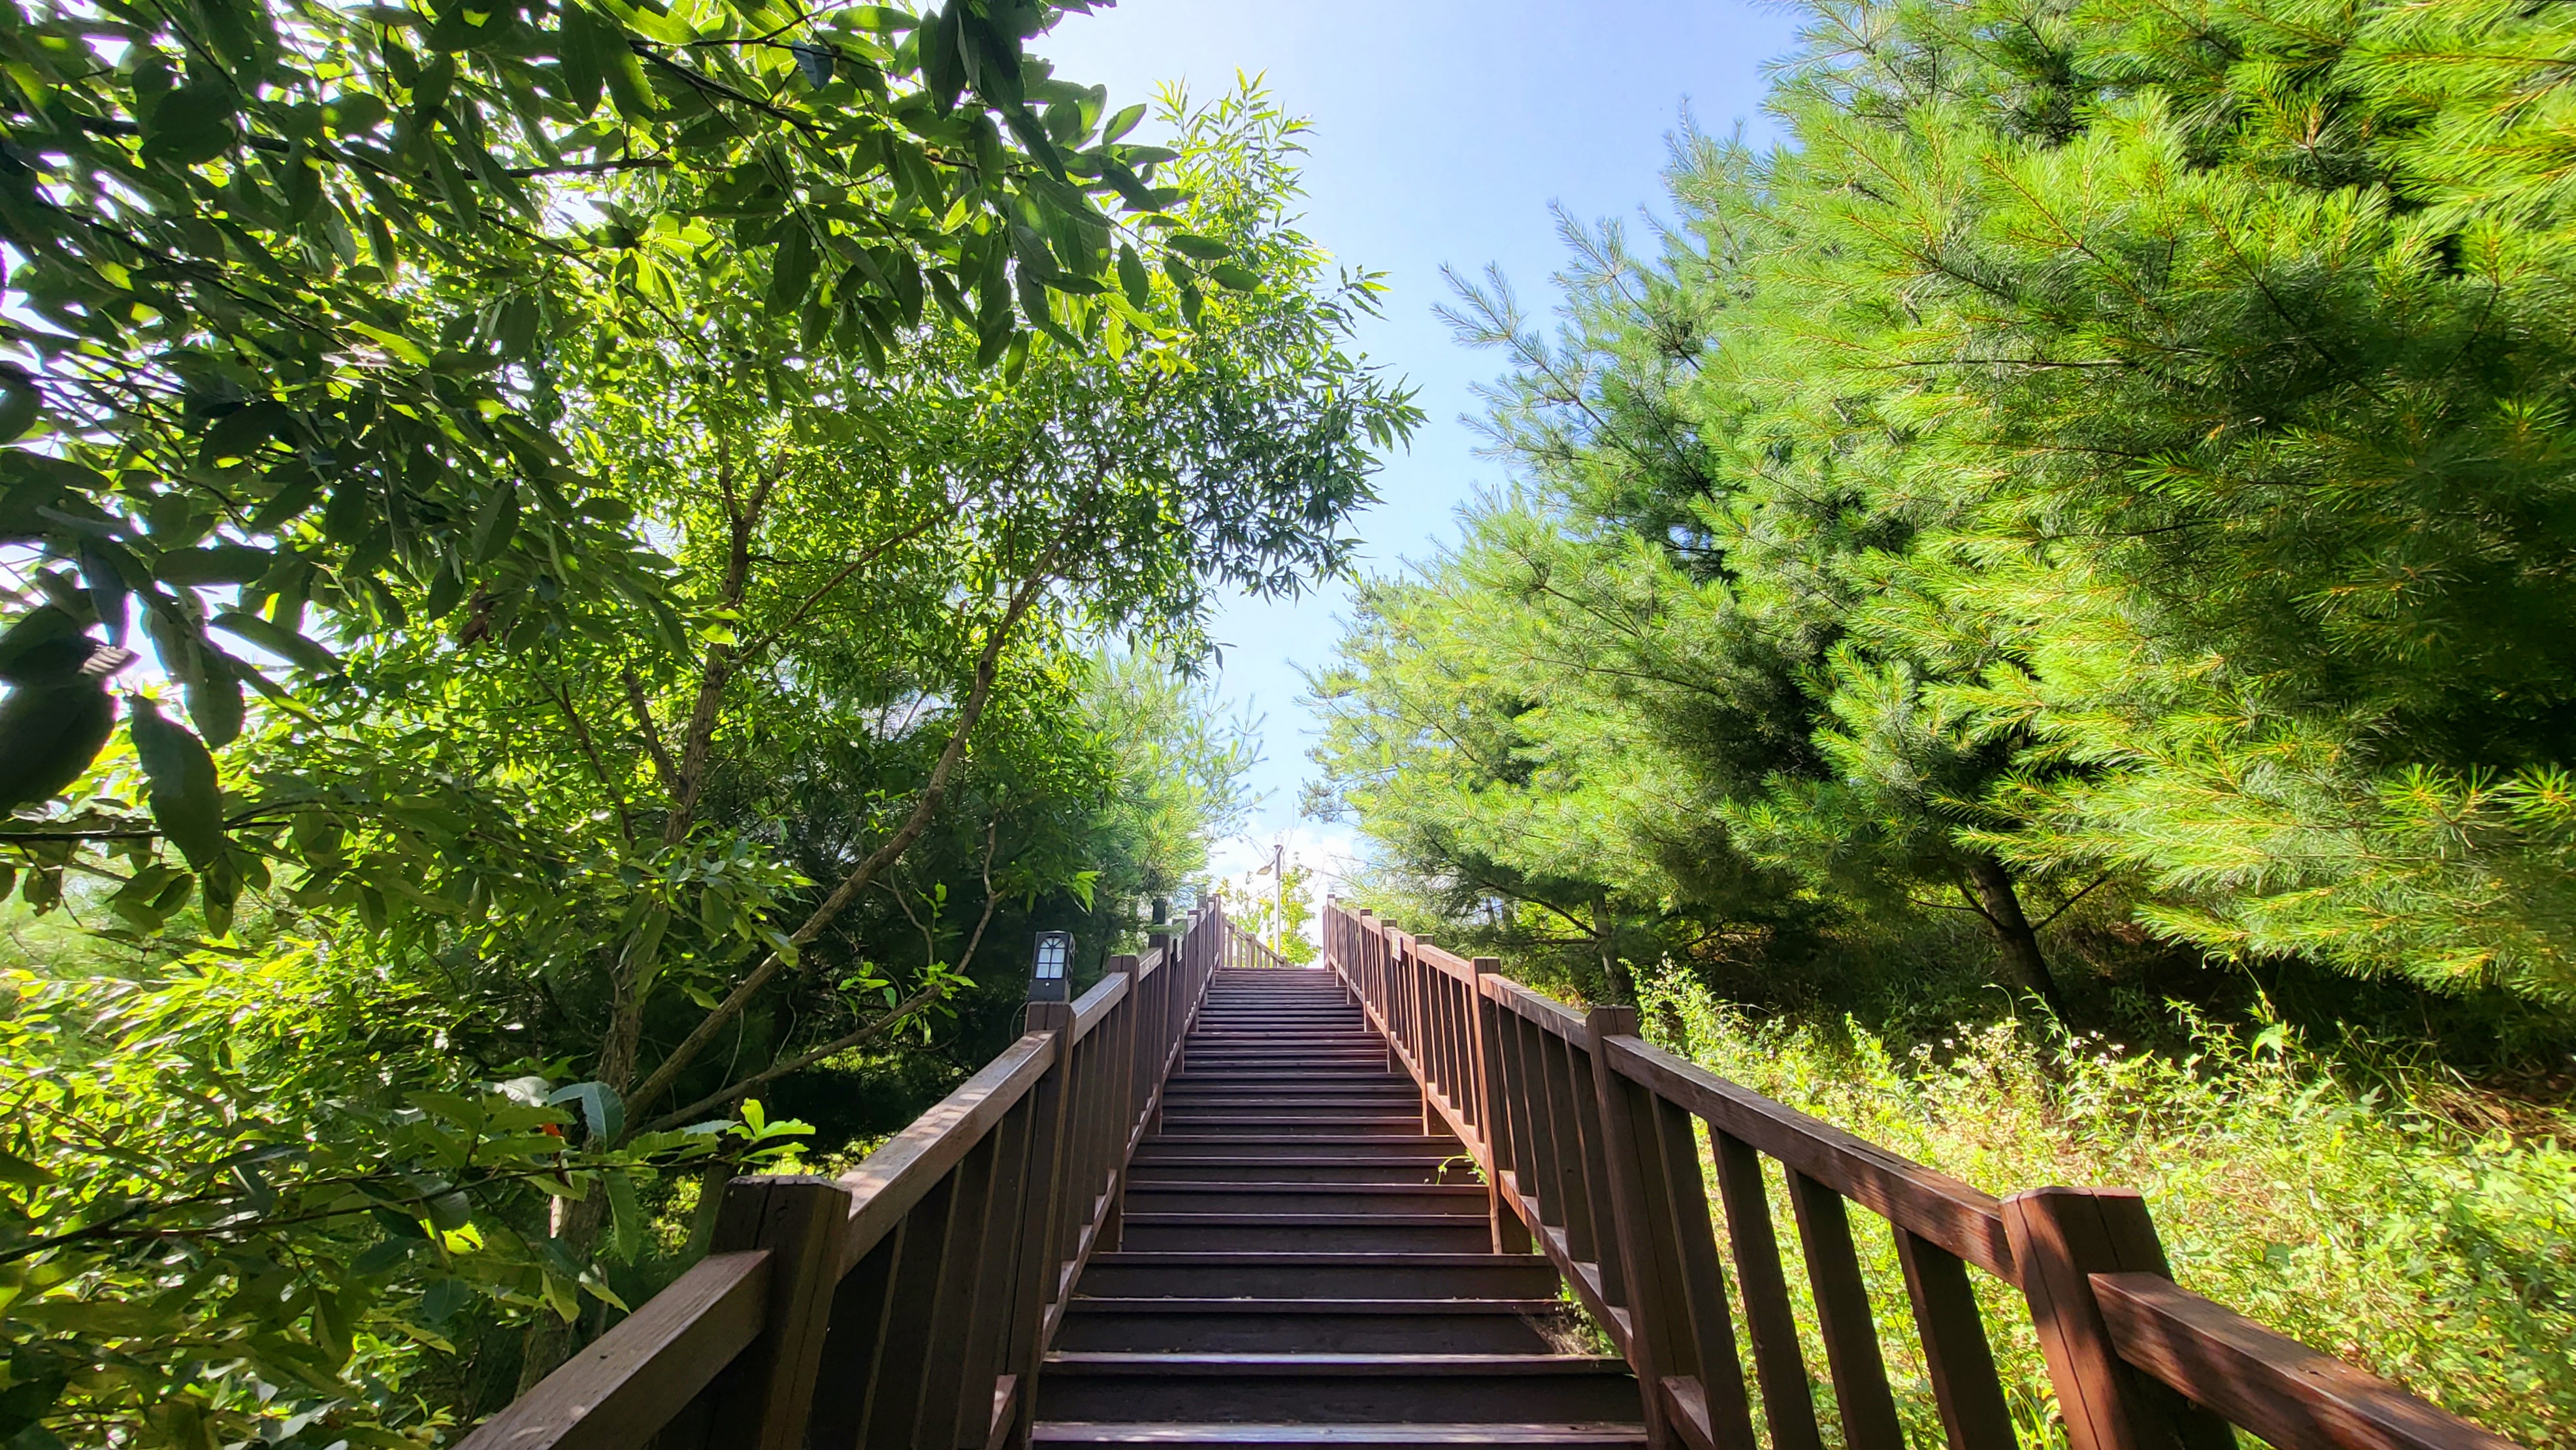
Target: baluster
x,y
1842,1313
853,1351
1544,1178
1684,1195
987,1327
1788,1404
1956,1355
904,1355
952,1301
1556,1056
1032,1270
1598,1201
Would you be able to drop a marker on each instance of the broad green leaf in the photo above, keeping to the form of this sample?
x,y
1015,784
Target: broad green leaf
x,y
186,800
1198,248
278,640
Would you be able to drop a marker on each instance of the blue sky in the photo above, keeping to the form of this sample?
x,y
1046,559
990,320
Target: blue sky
x,y
1443,134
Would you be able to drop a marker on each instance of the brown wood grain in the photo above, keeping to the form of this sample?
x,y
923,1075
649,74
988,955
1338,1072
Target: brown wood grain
x,y
2269,1383
625,1386
763,1398
1717,1365
1093,1006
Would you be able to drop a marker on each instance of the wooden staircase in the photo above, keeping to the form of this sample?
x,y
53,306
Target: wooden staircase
x,y
1303,1261
1217,1201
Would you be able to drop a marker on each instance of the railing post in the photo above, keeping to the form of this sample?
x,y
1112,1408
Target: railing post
x,y
1036,1266
763,1399
2060,1238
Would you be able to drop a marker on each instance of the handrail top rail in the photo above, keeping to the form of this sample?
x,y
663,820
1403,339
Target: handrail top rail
x,y
1924,1201
1932,1205
1092,1006
2269,1383
624,1387
888,1182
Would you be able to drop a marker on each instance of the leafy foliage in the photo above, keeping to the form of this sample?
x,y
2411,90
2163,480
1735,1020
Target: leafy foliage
x,y
2114,453
710,762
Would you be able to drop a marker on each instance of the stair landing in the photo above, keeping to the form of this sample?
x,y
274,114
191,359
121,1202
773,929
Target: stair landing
x,y
1303,1261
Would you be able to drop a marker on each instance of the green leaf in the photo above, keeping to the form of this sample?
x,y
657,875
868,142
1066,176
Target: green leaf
x,y
44,646
20,404
496,521
14,1169
625,1216
791,271
278,640
192,124
1122,123
1133,279
187,801
217,564
943,61
240,433
215,697
393,342
49,734
603,1112
1236,276
1205,249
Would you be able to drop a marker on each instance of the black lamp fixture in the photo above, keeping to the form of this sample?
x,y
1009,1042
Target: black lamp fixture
x,y
1054,956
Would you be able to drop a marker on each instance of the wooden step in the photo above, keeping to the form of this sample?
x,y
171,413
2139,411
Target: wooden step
x,y
1336,1388
1347,1233
1342,1437
1283,1125
1274,1197
1247,1275
1318,1326
1280,1168
1284,1147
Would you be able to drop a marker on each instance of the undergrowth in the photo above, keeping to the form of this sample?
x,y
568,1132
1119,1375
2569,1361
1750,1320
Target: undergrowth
x,y
2338,1197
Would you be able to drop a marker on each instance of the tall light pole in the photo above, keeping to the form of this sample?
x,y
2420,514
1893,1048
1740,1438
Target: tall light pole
x,y
1277,871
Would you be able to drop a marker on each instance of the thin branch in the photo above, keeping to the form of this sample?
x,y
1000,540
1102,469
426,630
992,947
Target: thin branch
x,y
876,1027
2069,902
812,601
926,806
581,732
643,711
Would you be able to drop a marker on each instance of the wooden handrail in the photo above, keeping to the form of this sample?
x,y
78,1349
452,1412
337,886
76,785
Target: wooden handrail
x,y
622,1389
917,1290
1590,1140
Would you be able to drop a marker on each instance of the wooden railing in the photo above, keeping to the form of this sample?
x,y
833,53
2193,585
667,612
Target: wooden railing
x,y
919,1290
1590,1140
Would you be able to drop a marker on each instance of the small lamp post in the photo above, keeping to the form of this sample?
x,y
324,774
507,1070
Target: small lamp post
x,y
1047,980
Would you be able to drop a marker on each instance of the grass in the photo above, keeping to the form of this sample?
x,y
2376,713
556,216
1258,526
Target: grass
x,y
2340,1198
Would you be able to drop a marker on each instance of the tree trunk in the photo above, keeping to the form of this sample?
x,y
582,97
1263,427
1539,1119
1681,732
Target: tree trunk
x,y
1623,993
2001,906
550,1339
